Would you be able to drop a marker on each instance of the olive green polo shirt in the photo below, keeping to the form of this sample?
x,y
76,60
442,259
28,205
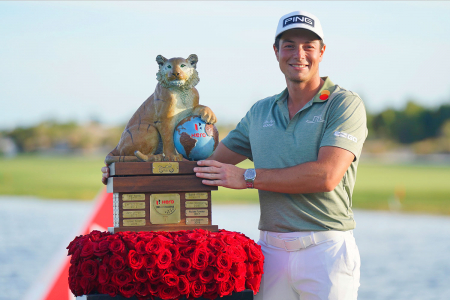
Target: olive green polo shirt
x,y
334,117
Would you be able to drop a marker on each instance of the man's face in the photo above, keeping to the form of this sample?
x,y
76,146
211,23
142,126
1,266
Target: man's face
x,y
299,55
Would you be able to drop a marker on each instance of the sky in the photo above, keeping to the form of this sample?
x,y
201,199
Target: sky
x,y
78,61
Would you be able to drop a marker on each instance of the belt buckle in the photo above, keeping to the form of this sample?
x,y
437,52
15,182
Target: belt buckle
x,y
291,240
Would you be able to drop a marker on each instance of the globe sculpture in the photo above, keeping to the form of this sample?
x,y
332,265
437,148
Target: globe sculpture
x,y
195,139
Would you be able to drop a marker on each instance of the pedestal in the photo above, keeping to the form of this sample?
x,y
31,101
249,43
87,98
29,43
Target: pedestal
x,y
159,196
244,295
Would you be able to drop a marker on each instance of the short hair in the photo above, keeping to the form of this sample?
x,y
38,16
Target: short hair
x,y
278,38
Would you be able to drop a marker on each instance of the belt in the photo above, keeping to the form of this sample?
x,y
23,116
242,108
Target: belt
x,y
295,244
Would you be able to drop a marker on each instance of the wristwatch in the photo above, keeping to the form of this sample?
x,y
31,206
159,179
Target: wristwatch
x,y
249,176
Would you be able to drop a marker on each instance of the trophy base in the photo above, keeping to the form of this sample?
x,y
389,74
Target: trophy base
x,y
213,228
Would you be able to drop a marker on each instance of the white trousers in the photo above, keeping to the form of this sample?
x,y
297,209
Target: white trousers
x,y
325,270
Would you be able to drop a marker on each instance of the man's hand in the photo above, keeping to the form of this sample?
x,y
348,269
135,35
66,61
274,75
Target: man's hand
x,y
105,175
220,174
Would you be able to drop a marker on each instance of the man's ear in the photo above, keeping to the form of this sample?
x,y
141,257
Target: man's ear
x,y
161,60
322,51
193,59
276,51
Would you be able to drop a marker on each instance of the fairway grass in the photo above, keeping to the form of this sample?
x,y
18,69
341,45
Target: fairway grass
x,y
412,188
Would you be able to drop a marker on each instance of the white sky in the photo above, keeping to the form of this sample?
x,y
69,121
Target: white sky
x,y
77,60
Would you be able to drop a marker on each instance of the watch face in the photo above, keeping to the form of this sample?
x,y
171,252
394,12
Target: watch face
x,y
250,174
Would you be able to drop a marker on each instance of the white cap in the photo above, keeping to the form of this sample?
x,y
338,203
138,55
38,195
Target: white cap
x,y
300,19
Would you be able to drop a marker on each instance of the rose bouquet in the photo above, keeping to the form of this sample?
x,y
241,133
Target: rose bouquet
x,y
168,265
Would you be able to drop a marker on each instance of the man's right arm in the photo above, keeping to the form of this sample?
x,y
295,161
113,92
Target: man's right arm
x,y
221,154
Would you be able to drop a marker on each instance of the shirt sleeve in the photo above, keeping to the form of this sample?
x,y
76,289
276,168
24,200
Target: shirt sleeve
x,y
238,139
346,126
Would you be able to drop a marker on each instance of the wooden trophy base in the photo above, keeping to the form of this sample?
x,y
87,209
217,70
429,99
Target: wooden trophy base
x,y
159,196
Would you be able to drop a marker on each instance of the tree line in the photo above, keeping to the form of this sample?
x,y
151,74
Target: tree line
x,y
414,123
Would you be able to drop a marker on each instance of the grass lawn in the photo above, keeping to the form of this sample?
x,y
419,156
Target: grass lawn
x,y
418,188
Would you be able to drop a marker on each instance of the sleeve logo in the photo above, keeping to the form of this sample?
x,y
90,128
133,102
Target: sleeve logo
x,y
298,19
345,136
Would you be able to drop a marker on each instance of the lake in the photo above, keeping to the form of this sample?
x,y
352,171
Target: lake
x,y
403,256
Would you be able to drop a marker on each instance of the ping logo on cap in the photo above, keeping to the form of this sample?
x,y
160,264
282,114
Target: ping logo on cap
x,y
298,19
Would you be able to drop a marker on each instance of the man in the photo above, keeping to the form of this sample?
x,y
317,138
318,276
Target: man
x,y
305,143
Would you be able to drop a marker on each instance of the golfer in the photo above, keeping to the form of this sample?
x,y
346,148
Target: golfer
x,y
305,143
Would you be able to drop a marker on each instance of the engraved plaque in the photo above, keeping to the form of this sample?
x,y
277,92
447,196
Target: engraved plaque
x,y
134,214
197,221
134,222
166,167
134,205
133,197
196,212
165,208
196,195
196,204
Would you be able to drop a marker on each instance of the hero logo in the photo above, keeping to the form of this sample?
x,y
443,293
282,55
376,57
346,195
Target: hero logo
x,y
345,135
268,123
159,202
198,127
298,19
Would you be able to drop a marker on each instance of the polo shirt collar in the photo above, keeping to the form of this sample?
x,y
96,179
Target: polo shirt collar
x,y
325,91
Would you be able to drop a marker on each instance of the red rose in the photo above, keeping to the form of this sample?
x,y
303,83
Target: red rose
x,y
110,289
122,277
239,284
254,252
223,261
153,288
88,250
102,248
127,290
149,261
183,264
87,285
188,251
225,288
117,246
75,287
103,274
258,267
206,275
130,240
183,239
170,279
155,246
192,274
197,237
155,274
89,269
135,261
140,248
253,283
172,269
168,292
239,269
75,256
164,259
140,275
200,258
222,275
174,250
95,235
237,253
217,244
141,289
250,272
183,285
197,289
211,291
116,262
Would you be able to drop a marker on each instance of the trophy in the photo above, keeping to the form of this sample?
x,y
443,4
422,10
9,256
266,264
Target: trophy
x,y
151,169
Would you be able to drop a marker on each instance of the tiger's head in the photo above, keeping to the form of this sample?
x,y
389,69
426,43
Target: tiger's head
x,y
177,72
